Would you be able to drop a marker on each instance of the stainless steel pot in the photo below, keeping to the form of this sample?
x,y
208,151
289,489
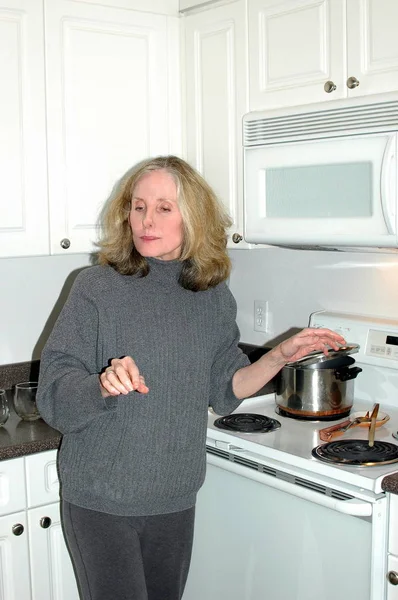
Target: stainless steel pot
x,y
318,386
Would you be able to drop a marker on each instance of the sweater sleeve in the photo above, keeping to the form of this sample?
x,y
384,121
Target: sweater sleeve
x,y
69,395
228,359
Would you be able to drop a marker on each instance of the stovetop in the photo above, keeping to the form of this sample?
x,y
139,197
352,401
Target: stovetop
x,y
291,445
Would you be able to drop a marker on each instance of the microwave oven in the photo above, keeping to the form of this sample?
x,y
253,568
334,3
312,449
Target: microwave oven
x,y
323,176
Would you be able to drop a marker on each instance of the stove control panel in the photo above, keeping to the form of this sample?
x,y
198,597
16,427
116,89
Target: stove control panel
x,y
382,344
377,337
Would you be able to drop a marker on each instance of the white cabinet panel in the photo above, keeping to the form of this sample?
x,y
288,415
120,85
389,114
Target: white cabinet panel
x,y
155,6
12,486
216,99
107,108
393,539
51,569
14,558
190,4
296,46
372,45
42,478
306,51
23,198
392,590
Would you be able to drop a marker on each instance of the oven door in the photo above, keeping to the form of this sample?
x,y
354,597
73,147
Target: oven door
x,y
260,535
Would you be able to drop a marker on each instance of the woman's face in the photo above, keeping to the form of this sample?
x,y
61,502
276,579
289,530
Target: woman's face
x,y
155,217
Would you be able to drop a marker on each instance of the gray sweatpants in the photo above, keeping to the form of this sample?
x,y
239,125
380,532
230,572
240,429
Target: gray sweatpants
x,y
128,558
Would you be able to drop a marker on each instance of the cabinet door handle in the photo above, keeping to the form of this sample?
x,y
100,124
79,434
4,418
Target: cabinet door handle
x,y
18,529
65,243
352,82
393,577
329,87
236,238
45,522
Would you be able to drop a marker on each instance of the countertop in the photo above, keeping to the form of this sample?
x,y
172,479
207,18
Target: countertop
x,y
20,438
390,484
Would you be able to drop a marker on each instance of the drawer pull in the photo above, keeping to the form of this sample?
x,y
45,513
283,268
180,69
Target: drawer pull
x,y
45,522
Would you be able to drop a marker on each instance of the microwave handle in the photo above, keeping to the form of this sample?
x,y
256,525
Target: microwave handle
x,y
389,185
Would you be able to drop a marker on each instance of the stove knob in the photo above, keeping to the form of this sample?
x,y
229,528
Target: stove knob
x,y
393,577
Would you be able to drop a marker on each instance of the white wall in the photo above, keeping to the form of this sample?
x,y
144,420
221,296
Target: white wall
x,y
32,291
295,282
298,282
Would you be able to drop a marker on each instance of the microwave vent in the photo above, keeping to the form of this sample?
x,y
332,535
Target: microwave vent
x,y
261,129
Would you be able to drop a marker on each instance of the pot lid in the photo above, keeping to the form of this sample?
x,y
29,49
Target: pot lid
x,y
319,357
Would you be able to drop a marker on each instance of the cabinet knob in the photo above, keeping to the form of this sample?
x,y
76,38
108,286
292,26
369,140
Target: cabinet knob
x,y
352,82
393,577
329,87
45,522
18,529
236,238
65,243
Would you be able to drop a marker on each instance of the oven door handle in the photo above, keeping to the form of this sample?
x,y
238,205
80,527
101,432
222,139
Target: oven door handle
x,y
352,506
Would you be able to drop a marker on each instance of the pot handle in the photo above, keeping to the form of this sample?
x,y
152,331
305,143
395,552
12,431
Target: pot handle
x,y
346,374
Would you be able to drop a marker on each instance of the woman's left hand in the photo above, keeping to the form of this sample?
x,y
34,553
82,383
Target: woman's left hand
x,y
308,340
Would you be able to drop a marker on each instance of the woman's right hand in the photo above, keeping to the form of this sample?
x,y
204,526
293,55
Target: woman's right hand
x,y
122,377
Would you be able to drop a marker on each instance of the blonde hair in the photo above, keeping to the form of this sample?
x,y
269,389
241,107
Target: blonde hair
x,y
205,222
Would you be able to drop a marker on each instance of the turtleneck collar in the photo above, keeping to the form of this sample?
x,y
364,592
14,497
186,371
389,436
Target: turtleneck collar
x,y
164,270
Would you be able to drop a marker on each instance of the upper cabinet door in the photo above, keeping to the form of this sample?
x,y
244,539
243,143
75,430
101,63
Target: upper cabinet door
x,y
372,46
110,103
23,169
216,99
296,52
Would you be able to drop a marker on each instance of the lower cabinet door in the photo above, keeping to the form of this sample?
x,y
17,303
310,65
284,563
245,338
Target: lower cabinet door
x,y
14,558
51,569
392,586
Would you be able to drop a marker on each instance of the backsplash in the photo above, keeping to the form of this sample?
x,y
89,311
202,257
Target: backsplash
x,y
18,372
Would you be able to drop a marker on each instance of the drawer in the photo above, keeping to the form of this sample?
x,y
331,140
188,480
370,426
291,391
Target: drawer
x,y
12,486
42,485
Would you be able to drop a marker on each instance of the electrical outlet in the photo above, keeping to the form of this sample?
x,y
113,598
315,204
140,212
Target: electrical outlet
x,y
261,315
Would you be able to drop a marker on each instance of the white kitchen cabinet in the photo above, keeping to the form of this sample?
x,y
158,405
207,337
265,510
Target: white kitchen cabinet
x,y
111,102
51,569
23,170
392,564
215,101
14,557
12,486
185,5
101,83
305,51
34,561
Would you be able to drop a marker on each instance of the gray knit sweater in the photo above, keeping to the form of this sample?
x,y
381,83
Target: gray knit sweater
x,y
138,454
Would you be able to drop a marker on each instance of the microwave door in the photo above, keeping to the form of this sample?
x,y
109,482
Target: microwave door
x,y
323,192
389,198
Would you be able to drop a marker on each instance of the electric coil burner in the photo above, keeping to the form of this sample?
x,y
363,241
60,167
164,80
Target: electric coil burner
x,y
247,423
357,453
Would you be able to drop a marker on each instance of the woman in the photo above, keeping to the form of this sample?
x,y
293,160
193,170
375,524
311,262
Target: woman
x,y
145,342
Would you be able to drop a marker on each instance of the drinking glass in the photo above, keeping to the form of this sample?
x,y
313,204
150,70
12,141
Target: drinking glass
x,y
4,409
25,401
